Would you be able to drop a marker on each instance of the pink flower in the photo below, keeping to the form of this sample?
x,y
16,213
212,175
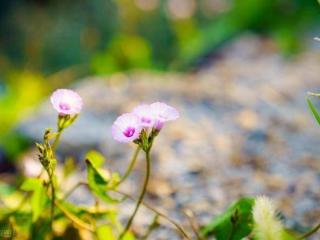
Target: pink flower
x,y
126,128
66,102
163,113
145,115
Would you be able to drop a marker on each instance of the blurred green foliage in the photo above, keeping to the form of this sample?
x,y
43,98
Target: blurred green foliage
x,y
235,223
45,44
106,36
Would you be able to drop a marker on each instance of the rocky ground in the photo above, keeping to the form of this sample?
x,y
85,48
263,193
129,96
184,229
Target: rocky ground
x,y
245,129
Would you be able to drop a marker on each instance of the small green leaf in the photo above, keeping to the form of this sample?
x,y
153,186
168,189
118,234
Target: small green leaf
x,y
96,158
289,235
129,236
97,183
234,224
30,184
70,211
38,198
105,233
314,111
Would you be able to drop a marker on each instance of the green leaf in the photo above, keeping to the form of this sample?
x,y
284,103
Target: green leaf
x,y
40,230
314,111
105,233
234,224
97,182
129,236
5,189
68,210
289,235
96,158
38,198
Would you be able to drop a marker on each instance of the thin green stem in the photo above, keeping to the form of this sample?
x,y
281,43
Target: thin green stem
x,y
154,224
51,176
194,225
56,140
143,192
178,227
130,167
77,221
73,189
313,231
53,197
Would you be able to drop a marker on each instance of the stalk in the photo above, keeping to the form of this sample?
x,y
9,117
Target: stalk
x,y
130,167
313,231
140,199
53,197
56,141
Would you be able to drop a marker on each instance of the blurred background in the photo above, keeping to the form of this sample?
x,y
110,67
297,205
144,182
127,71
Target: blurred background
x,y
237,70
45,44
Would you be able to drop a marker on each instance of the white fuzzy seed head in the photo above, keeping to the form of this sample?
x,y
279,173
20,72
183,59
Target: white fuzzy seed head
x,y
266,224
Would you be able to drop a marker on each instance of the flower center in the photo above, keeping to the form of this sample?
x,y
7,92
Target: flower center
x,y
64,106
129,132
158,125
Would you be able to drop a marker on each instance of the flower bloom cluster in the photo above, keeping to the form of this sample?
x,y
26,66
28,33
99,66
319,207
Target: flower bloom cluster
x,y
128,126
66,102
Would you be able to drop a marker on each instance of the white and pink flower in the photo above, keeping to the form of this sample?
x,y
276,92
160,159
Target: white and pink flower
x,y
126,128
66,102
163,113
145,115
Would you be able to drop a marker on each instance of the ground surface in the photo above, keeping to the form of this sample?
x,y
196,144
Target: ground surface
x,y
245,129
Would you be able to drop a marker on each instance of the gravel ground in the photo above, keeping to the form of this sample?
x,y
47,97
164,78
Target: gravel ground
x,y
245,129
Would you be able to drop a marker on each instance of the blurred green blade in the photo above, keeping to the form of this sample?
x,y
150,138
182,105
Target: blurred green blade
x,y
97,182
222,228
314,111
66,209
96,158
38,198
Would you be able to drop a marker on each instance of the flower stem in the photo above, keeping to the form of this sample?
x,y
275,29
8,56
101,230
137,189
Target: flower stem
x,y
313,231
53,196
144,189
177,225
154,224
56,141
194,225
73,189
77,221
51,180
130,167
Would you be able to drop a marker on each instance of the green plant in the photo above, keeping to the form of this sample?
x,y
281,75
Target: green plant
x,y
40,209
